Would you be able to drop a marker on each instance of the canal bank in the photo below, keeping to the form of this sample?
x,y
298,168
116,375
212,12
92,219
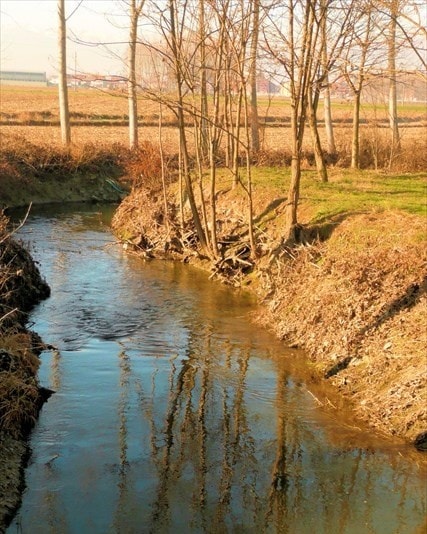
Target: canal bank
x,y
174,413
355,300
21,396
352,294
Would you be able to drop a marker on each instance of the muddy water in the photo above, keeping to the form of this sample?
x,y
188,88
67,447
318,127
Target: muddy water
x,y
173,414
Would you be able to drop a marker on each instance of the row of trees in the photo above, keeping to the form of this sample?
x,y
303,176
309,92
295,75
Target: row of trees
x,y
211,51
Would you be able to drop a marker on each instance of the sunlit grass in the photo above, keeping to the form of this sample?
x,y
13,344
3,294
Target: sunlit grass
x,y
347,191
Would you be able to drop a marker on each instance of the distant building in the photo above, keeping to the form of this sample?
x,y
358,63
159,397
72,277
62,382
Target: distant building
x,y
23,78
93,80
266,86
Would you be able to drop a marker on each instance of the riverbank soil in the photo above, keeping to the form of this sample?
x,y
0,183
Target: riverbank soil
x,y
352,294
31,173
357,304
20,394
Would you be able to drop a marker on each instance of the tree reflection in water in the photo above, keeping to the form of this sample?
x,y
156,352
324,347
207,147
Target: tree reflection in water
x,y
175,415
218,469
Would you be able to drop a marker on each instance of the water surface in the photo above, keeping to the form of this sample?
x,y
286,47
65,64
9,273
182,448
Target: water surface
x,y
174,414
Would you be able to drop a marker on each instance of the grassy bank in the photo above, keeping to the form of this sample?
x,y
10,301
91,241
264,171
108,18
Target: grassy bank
x,y
356,303
353,294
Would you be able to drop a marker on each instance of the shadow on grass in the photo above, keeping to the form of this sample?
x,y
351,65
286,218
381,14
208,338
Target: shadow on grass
x,y
323,228
274,204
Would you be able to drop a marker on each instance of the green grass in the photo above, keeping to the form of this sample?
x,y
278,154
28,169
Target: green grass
x,y
347,191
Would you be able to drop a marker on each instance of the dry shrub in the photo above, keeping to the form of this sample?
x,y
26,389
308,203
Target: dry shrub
x,y
375,151
412,158
144,166
21,284
19,346
272,158
94,158
140,219
20,157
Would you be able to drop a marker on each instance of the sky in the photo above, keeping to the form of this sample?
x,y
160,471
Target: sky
x,y
28,36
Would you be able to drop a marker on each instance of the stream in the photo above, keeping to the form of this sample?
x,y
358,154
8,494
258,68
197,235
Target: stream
x,y
173,413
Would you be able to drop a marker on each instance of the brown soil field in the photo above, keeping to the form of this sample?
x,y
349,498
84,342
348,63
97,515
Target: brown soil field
x,y
100,117
21,102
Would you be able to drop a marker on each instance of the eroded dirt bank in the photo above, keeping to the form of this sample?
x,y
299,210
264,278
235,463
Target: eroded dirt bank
x,y
353,295
21,397
357,304
19,192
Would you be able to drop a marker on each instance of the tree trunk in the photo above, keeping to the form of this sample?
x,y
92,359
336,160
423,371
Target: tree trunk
x,y
204,126
329,129
327,91
135,12
64,114
392,103
317,145
355,148
301,74
253,79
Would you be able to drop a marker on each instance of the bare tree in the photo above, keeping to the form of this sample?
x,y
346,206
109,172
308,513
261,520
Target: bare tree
x,y
135,10
359,58
294,47
253,75
64,113
175,42
391,59
326,89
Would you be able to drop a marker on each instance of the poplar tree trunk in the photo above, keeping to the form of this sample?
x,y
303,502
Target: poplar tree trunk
x,y
204,126
392,107
327,113
317,145
329,129
64,114
135,12
255,144
355,151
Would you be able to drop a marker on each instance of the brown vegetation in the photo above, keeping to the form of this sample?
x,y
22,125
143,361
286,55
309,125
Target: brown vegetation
x,y
21,398
21,287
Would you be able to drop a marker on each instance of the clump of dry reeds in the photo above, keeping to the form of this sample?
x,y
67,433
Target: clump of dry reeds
x,y
376,151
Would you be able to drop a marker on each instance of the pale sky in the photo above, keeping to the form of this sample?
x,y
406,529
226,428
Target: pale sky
x,y
28,36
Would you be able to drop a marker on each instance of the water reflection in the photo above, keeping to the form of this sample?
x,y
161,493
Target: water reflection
x,y
186,418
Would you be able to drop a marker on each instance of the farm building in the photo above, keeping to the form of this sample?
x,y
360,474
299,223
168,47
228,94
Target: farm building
x,y
23,78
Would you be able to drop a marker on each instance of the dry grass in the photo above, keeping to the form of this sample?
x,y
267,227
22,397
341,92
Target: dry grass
x,y
19,403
